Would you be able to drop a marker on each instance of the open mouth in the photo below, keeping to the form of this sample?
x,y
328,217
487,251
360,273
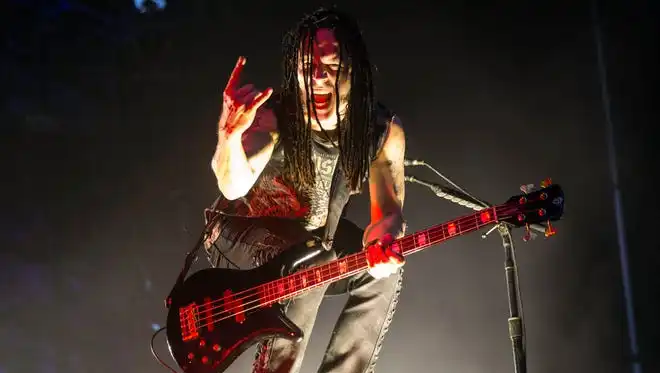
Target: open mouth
x,y
322,101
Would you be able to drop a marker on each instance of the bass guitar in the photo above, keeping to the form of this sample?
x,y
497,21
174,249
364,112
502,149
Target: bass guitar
x,y
216,314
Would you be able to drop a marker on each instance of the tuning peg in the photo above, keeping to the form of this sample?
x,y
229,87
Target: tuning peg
x,y
550,230
529,234
527,188
546,183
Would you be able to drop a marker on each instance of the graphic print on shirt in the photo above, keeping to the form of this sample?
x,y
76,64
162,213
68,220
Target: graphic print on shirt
x,y
319,196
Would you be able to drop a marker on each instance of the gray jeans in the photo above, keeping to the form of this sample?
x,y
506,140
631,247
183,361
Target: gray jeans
x,y
359,332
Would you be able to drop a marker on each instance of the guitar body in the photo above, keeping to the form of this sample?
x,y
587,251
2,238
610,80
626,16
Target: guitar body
x,y
203,340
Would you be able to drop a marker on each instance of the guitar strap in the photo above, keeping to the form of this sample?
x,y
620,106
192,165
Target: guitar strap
x,y
338,200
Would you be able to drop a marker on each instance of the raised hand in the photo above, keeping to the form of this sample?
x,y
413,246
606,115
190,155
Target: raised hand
x,y
240,105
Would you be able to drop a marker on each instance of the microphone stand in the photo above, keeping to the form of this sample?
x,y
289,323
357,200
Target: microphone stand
x,y
515,320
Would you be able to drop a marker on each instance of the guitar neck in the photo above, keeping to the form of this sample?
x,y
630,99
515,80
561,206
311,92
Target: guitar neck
x,y
302,281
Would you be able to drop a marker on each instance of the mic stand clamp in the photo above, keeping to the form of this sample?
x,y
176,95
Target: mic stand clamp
x,y
465,200
515,320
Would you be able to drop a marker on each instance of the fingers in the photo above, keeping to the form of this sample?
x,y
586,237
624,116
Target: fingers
x,y
260,99
235,74
394,257
250,97
375,255
243,94
383,261
378,253
387,239
246,94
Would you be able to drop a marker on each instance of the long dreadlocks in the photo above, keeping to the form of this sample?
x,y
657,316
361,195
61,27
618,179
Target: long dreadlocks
x,y
356,128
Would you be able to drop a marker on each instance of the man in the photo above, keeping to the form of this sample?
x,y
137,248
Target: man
x,y
297,157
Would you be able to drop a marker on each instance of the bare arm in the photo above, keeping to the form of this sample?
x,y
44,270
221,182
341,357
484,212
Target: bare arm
x,y
387,187
246,136
240,158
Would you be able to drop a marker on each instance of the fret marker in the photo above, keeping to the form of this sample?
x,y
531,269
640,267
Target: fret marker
x,y
304,280
342,266
280,288
318,276
292,284
421,239
484,216
451,229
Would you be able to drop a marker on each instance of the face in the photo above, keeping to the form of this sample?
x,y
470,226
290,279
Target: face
x,y
323,64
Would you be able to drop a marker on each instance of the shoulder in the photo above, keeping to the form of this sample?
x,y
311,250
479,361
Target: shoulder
x,y
389,129
396,132
394,144
387,117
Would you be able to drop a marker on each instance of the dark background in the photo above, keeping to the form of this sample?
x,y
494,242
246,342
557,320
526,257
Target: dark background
x,y
108,128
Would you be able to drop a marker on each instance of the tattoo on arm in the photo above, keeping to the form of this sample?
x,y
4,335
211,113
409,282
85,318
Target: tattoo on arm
x,y
398,180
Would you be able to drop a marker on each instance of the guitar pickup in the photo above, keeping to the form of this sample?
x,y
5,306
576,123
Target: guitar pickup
x,y
234,306
189,319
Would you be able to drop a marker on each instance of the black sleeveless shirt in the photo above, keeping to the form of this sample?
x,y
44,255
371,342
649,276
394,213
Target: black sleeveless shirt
x,y
273,196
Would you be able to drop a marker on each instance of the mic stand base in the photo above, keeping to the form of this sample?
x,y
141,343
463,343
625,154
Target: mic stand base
x,y
516,325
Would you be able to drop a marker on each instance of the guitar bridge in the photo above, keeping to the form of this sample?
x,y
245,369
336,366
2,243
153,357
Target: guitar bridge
x,y
189,319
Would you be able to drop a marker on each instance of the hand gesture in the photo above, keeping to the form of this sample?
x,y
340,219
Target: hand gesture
x,y
239,105
384,259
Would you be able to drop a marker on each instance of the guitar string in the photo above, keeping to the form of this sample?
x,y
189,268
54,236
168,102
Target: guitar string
x,y
275,282
400,241
234,310
253,292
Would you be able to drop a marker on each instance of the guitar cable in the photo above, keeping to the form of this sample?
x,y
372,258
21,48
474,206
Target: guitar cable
x,y
215,245
205,232
153,351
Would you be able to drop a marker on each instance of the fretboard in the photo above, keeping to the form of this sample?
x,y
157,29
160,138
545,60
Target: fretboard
x,y
302,281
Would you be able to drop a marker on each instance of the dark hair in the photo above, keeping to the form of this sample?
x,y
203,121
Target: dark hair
x,y
356,128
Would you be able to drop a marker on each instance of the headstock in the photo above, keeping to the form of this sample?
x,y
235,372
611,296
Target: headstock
x,y
535,206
